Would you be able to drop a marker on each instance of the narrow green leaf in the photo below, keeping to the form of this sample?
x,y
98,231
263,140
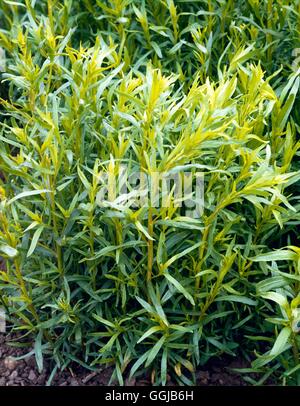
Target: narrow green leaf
x,y
281,341
38,351
280,255
180,288
149,332
9,251
155,350
35,240
27,194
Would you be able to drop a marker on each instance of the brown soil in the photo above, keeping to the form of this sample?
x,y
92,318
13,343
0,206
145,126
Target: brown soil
x,y
24,372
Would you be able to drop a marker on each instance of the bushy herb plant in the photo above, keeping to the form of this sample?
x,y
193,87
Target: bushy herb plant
x,y
160,86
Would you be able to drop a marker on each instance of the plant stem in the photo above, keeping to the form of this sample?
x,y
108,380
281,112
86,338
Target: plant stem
x,y
24,290
150,246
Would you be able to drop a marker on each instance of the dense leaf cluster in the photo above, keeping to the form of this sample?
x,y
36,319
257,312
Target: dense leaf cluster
x,y
160,86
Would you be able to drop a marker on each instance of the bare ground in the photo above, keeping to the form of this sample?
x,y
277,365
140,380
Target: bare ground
x,y
25,373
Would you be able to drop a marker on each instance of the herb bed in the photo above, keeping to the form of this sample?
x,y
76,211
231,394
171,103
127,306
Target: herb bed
x,y
106,106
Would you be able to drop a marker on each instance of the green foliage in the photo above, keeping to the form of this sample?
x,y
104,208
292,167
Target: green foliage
x,y
160,86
